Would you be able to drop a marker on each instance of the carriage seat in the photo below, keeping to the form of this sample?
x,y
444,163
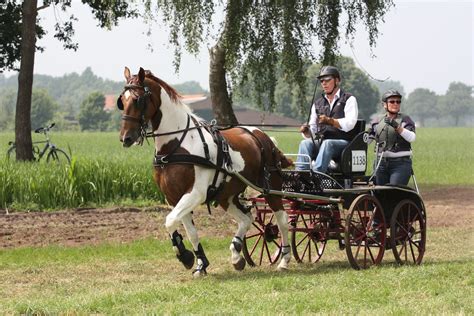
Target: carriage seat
x,y
353,160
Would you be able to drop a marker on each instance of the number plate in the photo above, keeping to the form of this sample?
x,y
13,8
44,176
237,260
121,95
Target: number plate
x,y
359,160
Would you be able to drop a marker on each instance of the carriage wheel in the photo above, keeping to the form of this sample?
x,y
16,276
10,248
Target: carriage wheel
x,y
262,244
308,237
408,233
365,232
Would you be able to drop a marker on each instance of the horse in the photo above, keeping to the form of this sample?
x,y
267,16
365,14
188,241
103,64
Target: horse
x,y
194,163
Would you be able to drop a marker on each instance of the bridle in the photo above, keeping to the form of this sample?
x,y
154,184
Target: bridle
x,y
141,104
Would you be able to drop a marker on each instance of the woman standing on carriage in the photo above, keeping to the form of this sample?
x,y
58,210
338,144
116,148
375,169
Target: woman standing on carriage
x,y
394,134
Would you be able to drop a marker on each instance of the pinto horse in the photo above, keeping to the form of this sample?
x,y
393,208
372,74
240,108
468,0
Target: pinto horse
x,y
188,163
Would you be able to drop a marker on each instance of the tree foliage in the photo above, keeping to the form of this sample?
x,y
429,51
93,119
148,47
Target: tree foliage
x,y
286,96
260,37
458,101
21,17
422,104
7,109
43,108
92,116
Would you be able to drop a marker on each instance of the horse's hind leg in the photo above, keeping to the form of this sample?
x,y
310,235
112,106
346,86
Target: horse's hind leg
x,y
191,232
184,207
282,222
244,220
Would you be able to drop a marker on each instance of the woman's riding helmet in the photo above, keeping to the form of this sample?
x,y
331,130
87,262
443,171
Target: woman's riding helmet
x,y
390,93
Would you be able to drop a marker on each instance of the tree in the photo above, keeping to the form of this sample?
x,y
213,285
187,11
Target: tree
x,y
190,87
458,101
19,28
42,108
422,104
92,116
255,34
7,109
353,81
389,84
356,82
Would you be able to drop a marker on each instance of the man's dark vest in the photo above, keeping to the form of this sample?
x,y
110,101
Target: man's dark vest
x,y
322,107
392,140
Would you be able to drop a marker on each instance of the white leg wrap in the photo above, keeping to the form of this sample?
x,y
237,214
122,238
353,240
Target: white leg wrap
x,y
282,222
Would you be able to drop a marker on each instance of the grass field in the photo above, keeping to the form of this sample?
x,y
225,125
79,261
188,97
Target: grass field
x,y
104,173
145,278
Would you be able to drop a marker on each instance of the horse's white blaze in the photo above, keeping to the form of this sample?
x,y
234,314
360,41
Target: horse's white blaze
x,y
127,94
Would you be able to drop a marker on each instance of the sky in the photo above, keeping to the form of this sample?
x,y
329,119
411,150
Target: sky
x,y
422,44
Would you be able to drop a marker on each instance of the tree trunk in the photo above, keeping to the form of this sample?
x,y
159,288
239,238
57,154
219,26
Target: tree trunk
x,y
220,99
24,147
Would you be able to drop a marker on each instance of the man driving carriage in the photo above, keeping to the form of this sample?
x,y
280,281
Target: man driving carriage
x,y
333,117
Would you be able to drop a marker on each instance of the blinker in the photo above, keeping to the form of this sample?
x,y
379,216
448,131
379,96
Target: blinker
x,y
119,103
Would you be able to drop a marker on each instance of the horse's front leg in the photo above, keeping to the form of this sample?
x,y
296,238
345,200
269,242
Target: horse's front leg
x,y
184,207
282,222
191,232
244,220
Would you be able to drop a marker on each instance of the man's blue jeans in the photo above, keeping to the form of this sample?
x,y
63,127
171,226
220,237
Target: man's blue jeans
x,y
329,149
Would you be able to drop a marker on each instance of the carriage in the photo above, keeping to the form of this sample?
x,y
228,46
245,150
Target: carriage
x,y
343,205
196,162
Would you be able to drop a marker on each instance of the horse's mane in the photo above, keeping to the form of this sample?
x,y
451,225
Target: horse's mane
x,y
172,93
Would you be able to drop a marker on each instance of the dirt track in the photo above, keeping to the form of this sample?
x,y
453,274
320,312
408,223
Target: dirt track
x,y
452,207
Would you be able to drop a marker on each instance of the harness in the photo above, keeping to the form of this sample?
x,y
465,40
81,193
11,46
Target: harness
x,y
223,160
140,104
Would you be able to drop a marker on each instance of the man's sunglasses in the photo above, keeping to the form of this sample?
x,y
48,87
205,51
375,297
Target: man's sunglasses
x,y
325,79
394,101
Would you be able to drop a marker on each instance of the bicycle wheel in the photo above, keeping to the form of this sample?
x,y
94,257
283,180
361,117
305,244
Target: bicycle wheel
x,y
57,155
11,153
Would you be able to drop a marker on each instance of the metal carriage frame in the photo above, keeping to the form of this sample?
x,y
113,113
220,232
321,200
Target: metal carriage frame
x,y
365,219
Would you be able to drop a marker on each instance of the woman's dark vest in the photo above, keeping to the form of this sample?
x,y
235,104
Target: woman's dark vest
x,y
322,107
393,141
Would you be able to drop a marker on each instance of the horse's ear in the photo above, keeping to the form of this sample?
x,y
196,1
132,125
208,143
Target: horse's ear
x,y
126,73
141,74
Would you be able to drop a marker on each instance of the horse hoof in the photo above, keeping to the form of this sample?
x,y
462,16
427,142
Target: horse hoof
x,y
199,273
239,265
186,258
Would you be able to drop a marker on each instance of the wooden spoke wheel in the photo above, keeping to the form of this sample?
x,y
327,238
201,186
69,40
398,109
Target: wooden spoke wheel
x,y
408,233
365,232
308,237
262,244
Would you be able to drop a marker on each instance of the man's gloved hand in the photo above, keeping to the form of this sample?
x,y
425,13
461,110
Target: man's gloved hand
x,y
391,122
323,119
305,130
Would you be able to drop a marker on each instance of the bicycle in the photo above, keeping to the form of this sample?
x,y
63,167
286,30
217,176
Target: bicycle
x,y
54,153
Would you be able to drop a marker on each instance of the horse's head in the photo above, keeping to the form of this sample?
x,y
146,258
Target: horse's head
x,y
138,106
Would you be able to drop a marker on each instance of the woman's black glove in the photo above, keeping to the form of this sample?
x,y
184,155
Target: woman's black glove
x,y
391,122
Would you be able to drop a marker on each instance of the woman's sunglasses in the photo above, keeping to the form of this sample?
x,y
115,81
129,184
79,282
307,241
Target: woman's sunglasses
x,y
394,101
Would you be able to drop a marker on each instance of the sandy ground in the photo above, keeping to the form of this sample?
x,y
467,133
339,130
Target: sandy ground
x,y
446,207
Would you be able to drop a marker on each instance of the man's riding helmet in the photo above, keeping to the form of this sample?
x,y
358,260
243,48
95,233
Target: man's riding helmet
x,y
390,93
329,71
